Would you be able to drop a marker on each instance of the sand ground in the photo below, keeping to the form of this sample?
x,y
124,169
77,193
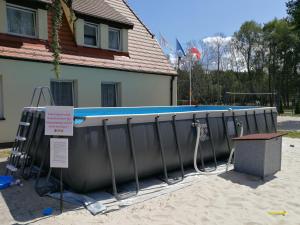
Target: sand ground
x,y
230,198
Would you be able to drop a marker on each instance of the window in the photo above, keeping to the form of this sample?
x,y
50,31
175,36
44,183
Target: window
x,y
110,94
114,38
1,99
91,34
21,21
63,92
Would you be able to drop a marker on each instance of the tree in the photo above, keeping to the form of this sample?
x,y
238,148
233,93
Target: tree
x,y
281,42
216,47
293,10
206,55
248,42
271,53
235,59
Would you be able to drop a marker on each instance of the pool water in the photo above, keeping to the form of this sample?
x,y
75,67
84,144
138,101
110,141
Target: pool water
x,y
83,112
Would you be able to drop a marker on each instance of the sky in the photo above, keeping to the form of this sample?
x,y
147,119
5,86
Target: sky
x,y
196,19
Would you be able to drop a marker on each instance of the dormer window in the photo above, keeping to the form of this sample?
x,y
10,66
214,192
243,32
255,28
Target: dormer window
x,y
90,34
114,37
21,21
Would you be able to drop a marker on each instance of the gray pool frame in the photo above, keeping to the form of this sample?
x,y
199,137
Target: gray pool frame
x,y
106,151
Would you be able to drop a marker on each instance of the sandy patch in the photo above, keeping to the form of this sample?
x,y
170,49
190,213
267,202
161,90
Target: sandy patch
x,y
230,198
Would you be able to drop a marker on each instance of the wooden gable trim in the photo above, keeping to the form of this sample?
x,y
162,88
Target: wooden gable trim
x,y
69,16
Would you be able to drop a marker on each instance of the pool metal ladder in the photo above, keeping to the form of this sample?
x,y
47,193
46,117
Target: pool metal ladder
x,y
19,158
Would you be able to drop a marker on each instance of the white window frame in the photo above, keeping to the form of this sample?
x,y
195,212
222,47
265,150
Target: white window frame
x,y
74,89
119,31
1,98
24,9
96,26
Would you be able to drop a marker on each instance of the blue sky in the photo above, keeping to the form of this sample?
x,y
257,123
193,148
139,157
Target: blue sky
x,y
196,19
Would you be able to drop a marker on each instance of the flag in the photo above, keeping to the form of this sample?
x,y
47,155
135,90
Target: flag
x,y
179,50
195,53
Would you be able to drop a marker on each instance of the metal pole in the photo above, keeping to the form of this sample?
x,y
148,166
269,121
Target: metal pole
x,y
61,191
191,64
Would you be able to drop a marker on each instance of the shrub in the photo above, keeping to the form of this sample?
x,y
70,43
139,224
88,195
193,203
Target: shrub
x,y
297,107
280,108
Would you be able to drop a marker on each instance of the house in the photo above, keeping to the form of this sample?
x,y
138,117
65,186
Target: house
x,y
109,58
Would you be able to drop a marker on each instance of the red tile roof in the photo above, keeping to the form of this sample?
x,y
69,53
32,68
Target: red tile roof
x,y
145,54
97,8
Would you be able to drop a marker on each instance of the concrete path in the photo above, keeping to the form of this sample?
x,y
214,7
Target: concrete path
x,y
288,123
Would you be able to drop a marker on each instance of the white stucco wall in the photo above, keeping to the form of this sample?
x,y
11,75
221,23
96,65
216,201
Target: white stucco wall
x,y
3,16
21,77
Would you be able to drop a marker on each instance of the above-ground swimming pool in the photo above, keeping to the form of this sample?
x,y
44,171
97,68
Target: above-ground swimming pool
x,y
111,146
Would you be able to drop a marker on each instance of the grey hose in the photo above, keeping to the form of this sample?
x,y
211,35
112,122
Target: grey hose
x,y
196,153
233,149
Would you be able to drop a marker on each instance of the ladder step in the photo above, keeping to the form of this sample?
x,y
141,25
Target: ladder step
x,y
16,153
19,138
26,124
11,167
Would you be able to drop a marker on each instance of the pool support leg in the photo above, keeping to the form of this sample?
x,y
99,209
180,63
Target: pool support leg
x,y
226,133
273,121
266,121
108,148
247,123
255,120
235,125
132,148
113,176
195,124
211,140
178,146
162,153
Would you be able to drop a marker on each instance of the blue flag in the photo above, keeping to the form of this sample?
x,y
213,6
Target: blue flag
x,y
179,50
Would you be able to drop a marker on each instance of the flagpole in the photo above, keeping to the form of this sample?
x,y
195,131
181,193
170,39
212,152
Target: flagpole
x,y
178,63
191,81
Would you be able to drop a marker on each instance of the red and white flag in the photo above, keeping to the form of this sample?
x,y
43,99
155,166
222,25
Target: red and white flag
x,y
195,53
